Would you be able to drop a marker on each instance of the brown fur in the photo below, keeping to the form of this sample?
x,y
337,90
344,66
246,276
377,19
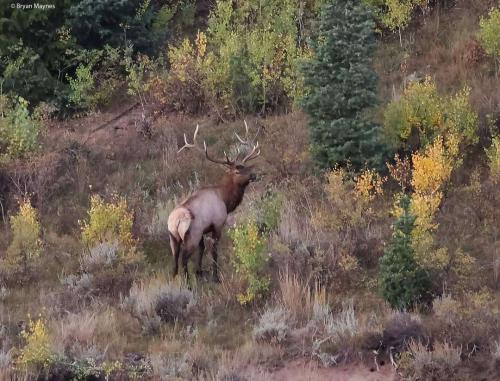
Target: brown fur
x,y
207,209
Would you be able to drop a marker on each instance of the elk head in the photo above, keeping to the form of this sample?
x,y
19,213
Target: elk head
x,y
237,168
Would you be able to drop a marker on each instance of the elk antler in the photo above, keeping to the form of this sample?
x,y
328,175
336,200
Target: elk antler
x,y
227,161
255,151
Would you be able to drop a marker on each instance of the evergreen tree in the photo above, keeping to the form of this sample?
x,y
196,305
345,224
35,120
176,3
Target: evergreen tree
x,y
403,282
341,85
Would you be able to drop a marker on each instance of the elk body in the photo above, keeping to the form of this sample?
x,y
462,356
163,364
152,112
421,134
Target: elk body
x,y
206,210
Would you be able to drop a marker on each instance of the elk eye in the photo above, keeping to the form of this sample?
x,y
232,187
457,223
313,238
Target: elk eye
x,y
239,167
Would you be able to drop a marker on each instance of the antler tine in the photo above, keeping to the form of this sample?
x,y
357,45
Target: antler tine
x,y
190,145
217,161
246,134
255,146
252,155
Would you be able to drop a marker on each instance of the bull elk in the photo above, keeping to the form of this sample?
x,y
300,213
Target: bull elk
x,y
206,210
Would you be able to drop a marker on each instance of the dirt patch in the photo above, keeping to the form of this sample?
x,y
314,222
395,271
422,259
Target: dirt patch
x,y
304,370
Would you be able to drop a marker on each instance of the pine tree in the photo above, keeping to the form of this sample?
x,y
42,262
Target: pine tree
x,y
340,85
403,282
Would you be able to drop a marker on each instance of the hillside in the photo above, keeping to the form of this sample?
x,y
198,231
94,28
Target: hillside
x,y
326,271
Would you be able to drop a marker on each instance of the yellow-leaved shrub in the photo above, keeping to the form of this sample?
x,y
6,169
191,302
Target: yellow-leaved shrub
x,y
350,198
108,222
36,351
186,85
431,171
26,229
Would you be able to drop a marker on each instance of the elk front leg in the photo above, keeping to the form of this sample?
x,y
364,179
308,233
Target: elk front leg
x,y
215,268
175,247
201,250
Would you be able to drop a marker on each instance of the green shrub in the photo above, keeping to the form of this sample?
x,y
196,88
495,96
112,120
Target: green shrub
x,y
489,34
19,131
250,260
256,48
82,86
403,283
396,14
269,211
422,114
493,154
186,85
26,230
96,78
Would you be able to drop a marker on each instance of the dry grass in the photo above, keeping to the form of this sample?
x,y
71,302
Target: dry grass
x,y
96,333
439,363
295,296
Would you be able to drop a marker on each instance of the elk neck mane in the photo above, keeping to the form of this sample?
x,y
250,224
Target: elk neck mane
x,y
231,192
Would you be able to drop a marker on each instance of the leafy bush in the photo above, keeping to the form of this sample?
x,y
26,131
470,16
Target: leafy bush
x,y
269,210
493,154
36,351
96,78
340,85
273,326
421,115
82,86
108,222
186,85
431,172
489,34
19,131
250,260
26,230
403,282
256,48
351,198
396,14
139,74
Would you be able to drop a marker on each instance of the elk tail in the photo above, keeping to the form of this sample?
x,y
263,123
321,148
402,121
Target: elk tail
x,y
179,223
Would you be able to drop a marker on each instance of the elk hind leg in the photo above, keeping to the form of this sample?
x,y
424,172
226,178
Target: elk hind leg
x,y
187,248
175,247
201,250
